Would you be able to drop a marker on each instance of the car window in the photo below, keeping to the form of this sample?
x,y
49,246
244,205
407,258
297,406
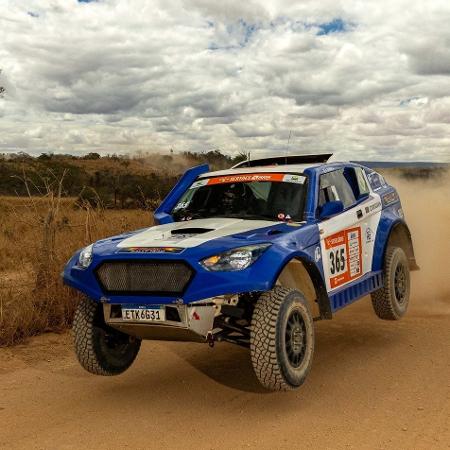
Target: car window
x,y
260,190
357,181
333,187
362,183
273,196
376,180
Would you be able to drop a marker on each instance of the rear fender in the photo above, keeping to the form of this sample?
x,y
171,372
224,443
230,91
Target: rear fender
x,y
400,236
396,234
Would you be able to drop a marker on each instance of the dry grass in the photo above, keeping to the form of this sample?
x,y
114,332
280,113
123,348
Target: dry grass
x,y
32,296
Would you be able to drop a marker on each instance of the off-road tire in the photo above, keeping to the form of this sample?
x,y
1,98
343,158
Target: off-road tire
x,y
391,301
269,341
101,350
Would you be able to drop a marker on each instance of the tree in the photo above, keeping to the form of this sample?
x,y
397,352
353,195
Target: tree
x,y
92,155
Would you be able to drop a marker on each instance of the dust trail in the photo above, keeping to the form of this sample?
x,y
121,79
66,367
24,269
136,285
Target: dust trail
x,y
426,204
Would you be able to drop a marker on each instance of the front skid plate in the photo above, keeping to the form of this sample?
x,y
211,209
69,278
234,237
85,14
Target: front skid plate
x,y
194,324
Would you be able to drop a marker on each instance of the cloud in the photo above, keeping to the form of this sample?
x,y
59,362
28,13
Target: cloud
x,y
115,76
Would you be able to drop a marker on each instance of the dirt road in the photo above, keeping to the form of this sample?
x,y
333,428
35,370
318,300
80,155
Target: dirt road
x,y
374,385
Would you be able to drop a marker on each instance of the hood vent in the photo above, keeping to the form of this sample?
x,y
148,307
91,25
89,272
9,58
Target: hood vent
x,y
191,231
274,232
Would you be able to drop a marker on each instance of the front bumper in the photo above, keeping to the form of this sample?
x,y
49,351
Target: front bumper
x,y
183,323
260,276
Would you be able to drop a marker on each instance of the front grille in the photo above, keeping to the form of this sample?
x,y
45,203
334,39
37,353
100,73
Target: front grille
x,y
144,277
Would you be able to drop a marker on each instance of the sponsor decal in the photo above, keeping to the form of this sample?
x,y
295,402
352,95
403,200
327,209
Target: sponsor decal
x,y
250,177
246,178
199,183
177,237
317,254
344,256
372,207
290,178
369,235
151,250
390,198
182,205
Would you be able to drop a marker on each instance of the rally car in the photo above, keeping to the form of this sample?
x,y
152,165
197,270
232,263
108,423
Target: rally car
x,y
252,255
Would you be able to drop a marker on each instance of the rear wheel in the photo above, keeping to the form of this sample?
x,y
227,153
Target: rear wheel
x,y
101,350
391,301
282,339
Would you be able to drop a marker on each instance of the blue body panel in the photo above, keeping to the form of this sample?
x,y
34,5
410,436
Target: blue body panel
x,y
162,213
392,215
354,291
289,241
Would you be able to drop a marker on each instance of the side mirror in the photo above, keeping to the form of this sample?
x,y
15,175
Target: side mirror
x,y
330,209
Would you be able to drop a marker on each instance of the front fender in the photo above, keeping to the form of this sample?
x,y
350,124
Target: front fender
x,y
315,272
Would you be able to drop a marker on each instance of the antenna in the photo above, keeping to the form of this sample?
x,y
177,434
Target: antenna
x,y
287,146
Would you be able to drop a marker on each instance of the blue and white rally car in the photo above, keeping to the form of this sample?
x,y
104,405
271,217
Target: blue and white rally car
x,y
252,255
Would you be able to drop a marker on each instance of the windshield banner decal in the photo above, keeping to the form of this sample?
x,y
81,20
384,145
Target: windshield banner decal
x,y
251,177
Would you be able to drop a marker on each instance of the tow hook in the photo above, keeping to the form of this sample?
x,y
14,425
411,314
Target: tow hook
x,y
210,339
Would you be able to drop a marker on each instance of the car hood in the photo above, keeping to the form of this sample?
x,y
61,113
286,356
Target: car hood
x,y
191,233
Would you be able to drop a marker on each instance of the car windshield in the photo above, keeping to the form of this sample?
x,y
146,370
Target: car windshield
x,y
267,196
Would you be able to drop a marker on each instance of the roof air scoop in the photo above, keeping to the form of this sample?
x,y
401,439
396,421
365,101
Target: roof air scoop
x,y
285,160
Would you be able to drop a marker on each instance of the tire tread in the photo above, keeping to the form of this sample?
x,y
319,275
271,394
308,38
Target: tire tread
x,y
83,336
381,298
263,326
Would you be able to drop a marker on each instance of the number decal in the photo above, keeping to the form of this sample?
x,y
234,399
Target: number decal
x,y
337,261
344,256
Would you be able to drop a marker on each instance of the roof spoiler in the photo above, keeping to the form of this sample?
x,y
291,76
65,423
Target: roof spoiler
x,y
281,160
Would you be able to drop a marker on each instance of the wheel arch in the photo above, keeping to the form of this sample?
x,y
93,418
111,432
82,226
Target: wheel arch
x,y
302,274
400,236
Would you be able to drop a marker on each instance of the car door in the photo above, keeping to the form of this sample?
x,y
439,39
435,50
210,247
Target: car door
x,y
347,239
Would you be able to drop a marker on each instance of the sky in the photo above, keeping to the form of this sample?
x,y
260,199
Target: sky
x,y
364,80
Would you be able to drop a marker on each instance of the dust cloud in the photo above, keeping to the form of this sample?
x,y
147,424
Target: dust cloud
x,y
426,204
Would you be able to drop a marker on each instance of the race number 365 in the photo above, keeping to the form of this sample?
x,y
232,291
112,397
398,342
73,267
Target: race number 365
x,y
337,260
343,251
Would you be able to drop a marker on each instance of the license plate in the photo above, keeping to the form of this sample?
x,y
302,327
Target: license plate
x,y
143,314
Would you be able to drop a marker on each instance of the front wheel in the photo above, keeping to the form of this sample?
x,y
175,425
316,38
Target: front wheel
x,y
100,349
282,339
391,301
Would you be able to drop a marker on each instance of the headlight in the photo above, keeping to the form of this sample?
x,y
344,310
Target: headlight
x,y
236,259
85,257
